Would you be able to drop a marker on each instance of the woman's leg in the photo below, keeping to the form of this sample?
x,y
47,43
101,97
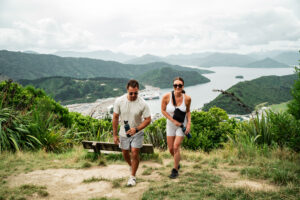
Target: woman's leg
x,y
170,142
176,148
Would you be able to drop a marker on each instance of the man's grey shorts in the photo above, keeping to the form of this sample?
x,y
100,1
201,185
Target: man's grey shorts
x,y
135,141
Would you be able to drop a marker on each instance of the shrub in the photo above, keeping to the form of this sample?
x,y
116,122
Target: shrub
x,y
272,128
294,104
29,119
208,129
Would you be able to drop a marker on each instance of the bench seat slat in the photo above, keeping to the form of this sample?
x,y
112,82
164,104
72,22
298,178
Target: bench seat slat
x,y
107,146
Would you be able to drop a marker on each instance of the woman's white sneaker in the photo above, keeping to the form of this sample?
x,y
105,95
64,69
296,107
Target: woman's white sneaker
x,y
131,181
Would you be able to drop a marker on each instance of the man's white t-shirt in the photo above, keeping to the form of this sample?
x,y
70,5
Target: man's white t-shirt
x,y
132,111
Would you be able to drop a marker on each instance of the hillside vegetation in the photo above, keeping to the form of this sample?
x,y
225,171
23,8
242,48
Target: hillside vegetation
x,y
270,89
17,65
163,78
71,90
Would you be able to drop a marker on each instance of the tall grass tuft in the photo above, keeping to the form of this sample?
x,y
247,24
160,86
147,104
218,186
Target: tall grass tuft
x,y
156,134
14,131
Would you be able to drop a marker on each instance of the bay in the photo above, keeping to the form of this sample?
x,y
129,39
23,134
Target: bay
x,y
223,78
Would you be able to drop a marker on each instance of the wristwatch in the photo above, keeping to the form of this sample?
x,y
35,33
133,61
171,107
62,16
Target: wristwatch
x,y
136,130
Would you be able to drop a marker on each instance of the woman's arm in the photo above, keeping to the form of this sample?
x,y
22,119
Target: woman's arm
x,y
164,103
188,113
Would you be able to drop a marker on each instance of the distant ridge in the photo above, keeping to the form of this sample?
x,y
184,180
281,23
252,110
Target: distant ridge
x,y
225,59
102,55
289,58
17,65
266,63
145,59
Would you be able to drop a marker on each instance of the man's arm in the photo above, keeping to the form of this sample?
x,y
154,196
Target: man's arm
x,y
115,123
143,125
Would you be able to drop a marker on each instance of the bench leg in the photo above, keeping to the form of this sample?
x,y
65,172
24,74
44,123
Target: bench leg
x,y
96,150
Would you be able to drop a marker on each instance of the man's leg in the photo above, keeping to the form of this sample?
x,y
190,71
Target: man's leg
x,y
135,160
126,156
125,146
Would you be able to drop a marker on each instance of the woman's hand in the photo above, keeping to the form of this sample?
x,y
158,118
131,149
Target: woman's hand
x,y
188,129
176,123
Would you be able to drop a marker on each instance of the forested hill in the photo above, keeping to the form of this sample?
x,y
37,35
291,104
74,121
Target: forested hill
x,y
270,89
72,90
163,78
17,65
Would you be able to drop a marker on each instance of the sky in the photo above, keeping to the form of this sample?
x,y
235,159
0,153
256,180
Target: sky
x,y
158,27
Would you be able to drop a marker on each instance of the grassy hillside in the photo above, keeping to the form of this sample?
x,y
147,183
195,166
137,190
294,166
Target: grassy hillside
x,y
72,90
270,89
17,65
163,78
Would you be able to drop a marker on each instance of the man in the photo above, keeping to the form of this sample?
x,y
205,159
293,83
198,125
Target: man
x,y
133,109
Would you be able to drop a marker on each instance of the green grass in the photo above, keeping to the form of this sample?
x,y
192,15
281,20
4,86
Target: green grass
x,y
23,192
198,178
278,172
279,107
148,171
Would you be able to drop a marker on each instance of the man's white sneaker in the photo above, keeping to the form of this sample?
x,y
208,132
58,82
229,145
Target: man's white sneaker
x,y
131,181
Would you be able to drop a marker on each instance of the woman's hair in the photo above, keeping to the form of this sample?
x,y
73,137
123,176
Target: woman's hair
x,y
180,79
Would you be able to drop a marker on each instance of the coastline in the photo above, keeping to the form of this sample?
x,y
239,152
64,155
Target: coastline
x,y
101,107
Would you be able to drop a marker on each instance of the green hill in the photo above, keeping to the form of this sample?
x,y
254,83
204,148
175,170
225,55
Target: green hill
x,y
17,65
72,90
270,89
266,63
163,78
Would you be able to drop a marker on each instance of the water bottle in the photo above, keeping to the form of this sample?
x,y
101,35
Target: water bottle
x,y
183,130
127,127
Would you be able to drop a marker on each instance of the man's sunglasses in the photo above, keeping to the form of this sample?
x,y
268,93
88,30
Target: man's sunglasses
x,y
179,86
133,93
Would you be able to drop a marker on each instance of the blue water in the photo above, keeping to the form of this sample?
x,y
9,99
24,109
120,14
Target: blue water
x,y
223,78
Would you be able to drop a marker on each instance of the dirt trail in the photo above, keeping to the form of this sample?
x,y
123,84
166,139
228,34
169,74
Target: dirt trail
x,y
68,183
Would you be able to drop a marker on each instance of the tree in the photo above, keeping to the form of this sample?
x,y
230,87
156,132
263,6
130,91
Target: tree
x,y
294,105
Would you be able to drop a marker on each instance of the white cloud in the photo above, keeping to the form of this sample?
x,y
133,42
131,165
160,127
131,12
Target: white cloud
x,y
156,27
45,34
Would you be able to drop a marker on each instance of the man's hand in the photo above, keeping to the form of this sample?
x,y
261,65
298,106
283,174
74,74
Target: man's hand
x,y
131,131
116,140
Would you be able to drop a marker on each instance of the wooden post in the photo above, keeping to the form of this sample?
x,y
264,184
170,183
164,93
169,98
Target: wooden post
x,y
96,150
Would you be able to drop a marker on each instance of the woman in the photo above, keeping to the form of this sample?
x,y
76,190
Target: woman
x,y
175,134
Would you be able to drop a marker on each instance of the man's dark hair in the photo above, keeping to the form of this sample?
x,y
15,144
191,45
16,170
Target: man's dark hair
x,y
133,83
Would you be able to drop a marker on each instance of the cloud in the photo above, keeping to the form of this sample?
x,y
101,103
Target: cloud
x,y
45,34
156,27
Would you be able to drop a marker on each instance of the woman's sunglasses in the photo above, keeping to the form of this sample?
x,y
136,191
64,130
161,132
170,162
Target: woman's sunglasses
x,y
133,93
179,86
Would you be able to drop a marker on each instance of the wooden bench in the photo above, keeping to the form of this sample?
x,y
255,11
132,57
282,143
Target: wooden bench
x,y
97,147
